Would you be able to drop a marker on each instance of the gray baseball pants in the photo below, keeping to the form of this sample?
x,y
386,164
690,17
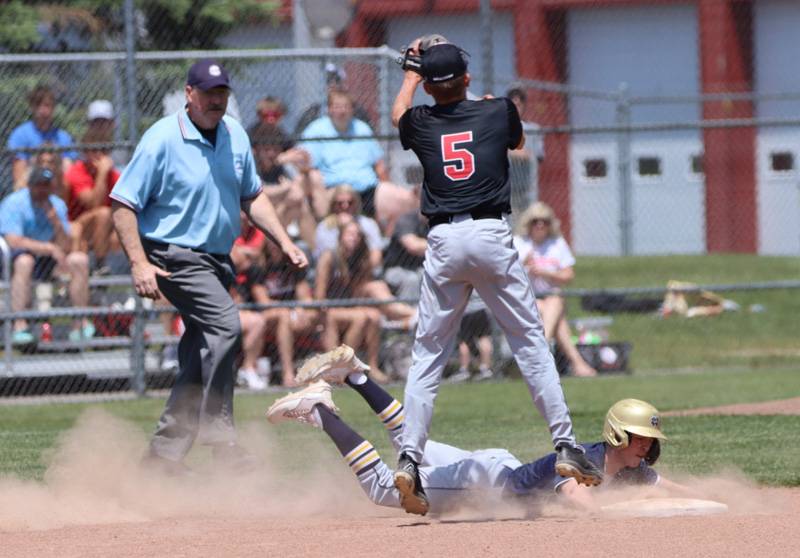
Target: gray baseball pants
x,y
201,402
480,254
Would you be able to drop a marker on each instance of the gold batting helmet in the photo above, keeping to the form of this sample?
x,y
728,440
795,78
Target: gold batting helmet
x,y
631,416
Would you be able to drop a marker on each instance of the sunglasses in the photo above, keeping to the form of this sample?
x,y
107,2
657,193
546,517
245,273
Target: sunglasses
x,y
343,203
540,222
271,114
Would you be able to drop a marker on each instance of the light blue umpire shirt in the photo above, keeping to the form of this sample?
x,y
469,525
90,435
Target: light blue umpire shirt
x,y
185,190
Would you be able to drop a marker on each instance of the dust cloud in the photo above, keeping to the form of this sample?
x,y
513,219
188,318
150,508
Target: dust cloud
x,y
94,477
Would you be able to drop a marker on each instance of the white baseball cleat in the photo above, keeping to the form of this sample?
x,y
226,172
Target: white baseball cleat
x,y
333,366
299,406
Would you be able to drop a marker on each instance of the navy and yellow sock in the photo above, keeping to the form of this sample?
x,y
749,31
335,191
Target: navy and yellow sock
x,y
359,454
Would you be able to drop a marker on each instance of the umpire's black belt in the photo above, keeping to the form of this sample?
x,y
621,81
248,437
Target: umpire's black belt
x,y
449,218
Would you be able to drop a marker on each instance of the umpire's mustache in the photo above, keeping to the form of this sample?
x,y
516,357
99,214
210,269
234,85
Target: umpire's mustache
x,y
216,107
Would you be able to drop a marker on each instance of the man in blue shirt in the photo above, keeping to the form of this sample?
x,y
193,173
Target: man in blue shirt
x,y
36,132
453,477
34,223
176,210
357,162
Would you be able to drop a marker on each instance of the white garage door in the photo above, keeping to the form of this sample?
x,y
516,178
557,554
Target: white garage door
x,y
654,51
777,51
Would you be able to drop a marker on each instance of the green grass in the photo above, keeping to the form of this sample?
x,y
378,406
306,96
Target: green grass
x,y
494,415
733,339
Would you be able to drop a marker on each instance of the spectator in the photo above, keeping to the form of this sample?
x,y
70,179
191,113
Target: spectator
x,y
358,162
34,224
549,262
344,204
523,163
50,160
37,131
270,112
405,254
88,183
474,334
340,274
273,282
334,80
100,118
294,198
246,255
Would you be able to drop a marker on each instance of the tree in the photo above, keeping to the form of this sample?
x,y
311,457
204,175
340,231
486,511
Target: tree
x,y
80,25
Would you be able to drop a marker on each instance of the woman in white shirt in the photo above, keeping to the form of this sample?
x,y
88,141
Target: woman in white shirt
x,y
549,262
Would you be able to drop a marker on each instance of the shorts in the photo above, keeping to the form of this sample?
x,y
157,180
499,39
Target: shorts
x,y
368,201
43,266
473,325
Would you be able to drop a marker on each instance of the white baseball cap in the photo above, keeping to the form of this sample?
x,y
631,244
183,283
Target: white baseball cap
x,y
100,109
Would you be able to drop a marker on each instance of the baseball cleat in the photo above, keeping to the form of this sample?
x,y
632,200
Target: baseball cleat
x,y
299,406
572,462
407,482
333,366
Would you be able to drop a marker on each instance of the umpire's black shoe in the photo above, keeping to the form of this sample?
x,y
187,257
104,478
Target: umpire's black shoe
x,y
572,462
406,480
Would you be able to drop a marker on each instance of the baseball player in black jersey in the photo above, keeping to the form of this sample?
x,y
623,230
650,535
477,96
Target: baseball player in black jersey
x,y
462,146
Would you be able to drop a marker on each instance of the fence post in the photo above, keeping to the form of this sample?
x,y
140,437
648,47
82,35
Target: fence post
x,y
488,47
385,64
130,69
138,348
623,118
5,251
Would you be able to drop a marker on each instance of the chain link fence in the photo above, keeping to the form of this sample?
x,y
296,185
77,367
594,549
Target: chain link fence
x,y
648,180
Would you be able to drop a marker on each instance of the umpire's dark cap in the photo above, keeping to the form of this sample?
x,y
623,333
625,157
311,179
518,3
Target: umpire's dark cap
x,y
40,175
443,62
207,74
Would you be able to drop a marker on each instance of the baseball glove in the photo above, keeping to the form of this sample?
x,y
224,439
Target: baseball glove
x,y
411,59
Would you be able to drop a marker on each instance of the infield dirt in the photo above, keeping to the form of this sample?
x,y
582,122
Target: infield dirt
x,y
95,501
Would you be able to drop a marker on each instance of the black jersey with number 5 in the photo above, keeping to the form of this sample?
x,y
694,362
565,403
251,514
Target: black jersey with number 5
x,y
463,150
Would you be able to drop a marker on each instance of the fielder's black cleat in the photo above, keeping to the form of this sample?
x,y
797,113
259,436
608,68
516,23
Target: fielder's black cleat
x,y
406,480
572,462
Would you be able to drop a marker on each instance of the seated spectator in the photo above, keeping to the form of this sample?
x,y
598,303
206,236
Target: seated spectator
x,y
340,274
334,80
474,335
246,256
357,162
405,254
37,131
34,224
275,282
344,205
270,112
101,119
549,262
524,163
88,183
292,197
52,161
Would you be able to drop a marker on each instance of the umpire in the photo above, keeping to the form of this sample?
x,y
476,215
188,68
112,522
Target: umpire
x,y
463,148
176,210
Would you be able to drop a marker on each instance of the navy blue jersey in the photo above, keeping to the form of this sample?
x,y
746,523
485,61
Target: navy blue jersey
x,y
540,475
463,148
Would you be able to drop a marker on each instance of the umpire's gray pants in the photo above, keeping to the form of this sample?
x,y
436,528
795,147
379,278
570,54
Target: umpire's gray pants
x,y
201,402
461,255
